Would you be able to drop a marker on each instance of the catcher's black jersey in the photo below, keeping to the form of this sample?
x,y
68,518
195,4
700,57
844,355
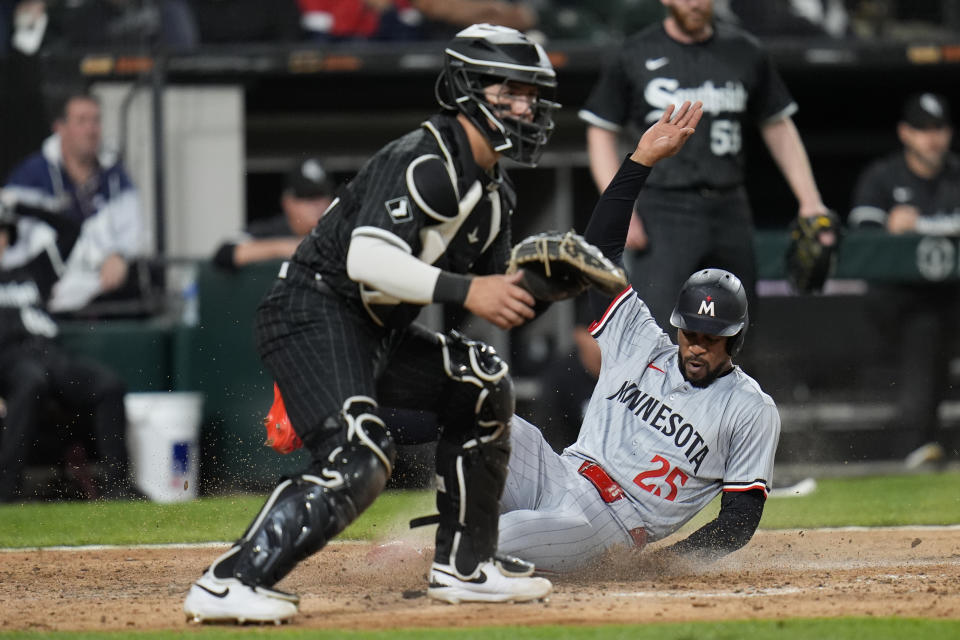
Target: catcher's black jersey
x,y
730,73
888,182
381,201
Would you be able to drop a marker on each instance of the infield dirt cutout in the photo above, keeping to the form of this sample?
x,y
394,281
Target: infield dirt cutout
x,y
913,572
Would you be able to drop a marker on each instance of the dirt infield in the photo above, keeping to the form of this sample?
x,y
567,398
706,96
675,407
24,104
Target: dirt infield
x,y
825,573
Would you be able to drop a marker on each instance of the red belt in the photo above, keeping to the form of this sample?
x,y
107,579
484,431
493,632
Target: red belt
x,y
610,491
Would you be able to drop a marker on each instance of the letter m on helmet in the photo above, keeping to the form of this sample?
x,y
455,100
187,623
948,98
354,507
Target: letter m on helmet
x,y
707,308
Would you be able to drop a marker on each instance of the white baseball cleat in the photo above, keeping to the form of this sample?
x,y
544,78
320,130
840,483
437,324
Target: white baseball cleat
x,y
930,452
213,599
488,583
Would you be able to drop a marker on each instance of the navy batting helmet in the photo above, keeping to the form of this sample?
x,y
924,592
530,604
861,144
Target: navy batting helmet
x,y
713,301
483,55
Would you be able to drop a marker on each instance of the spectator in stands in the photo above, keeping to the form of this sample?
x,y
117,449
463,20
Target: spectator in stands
x,y
807,18
125,23
597,22
917,190
327,20
35,372
307,193
22,122
247,21
75,177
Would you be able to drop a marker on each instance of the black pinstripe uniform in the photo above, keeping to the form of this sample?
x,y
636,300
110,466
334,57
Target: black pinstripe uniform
x,y
694,207
326,338
917,319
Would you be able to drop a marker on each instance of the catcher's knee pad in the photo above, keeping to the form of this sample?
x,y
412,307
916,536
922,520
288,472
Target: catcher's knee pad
x,y
481,398
304,512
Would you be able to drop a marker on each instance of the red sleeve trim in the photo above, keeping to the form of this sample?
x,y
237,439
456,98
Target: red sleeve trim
x,y
597,327
748,487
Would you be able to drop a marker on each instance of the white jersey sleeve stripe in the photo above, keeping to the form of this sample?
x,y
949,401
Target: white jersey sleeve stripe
x,y
597,327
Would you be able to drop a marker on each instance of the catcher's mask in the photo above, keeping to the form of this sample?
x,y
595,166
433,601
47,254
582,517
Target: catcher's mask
x,y
484,55
713,301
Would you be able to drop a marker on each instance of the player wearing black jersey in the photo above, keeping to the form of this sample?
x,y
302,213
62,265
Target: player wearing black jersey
x,y
426,219
694,211
916,190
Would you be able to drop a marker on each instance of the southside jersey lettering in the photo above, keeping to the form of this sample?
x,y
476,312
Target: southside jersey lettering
x,y
730,73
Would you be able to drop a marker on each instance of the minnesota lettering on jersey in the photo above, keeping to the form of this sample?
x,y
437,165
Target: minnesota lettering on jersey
x,y
661,418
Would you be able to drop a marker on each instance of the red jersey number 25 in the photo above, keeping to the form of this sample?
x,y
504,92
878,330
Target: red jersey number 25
x,y
664,469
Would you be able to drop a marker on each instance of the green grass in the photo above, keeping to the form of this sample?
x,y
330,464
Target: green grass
x,y
869,501
930,499
203,520
834,629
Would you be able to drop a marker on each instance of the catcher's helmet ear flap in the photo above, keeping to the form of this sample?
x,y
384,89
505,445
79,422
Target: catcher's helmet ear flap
x,y
482,55
713,301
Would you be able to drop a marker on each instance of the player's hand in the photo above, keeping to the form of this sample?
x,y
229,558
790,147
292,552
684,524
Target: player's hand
x,y
902,219
500,299
113,272
667,136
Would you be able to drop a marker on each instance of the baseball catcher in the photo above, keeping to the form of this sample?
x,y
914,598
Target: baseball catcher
x,y
426,219
812,252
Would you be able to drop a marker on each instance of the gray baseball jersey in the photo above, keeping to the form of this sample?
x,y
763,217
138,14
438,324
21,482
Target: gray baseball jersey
x,y
671,447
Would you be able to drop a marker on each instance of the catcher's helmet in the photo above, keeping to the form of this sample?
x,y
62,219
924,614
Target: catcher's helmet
x,y
713,301
482,55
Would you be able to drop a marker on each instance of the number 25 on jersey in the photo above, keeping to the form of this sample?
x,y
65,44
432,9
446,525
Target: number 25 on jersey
x,y
648,479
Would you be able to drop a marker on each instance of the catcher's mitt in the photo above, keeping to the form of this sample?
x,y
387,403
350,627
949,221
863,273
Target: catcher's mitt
x,y
809,261
557,266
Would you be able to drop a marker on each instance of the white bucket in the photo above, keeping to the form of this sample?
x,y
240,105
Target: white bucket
x,y
163,431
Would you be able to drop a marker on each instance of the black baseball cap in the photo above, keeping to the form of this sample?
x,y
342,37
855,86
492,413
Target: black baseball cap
x,y
927,111
308,180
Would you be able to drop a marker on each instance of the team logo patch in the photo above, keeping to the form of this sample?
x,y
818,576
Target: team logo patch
x,y
399,209
652,64
707,308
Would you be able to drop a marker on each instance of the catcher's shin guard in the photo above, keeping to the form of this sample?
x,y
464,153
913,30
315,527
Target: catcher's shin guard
x,y
472,454
306,511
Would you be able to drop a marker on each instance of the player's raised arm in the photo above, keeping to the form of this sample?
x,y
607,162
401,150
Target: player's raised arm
x,y
608,225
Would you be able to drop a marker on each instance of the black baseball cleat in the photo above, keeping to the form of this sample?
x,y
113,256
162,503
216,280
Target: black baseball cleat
x,y
513,567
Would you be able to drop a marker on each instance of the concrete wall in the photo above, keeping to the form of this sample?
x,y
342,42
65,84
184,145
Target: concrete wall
x,y
205,159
